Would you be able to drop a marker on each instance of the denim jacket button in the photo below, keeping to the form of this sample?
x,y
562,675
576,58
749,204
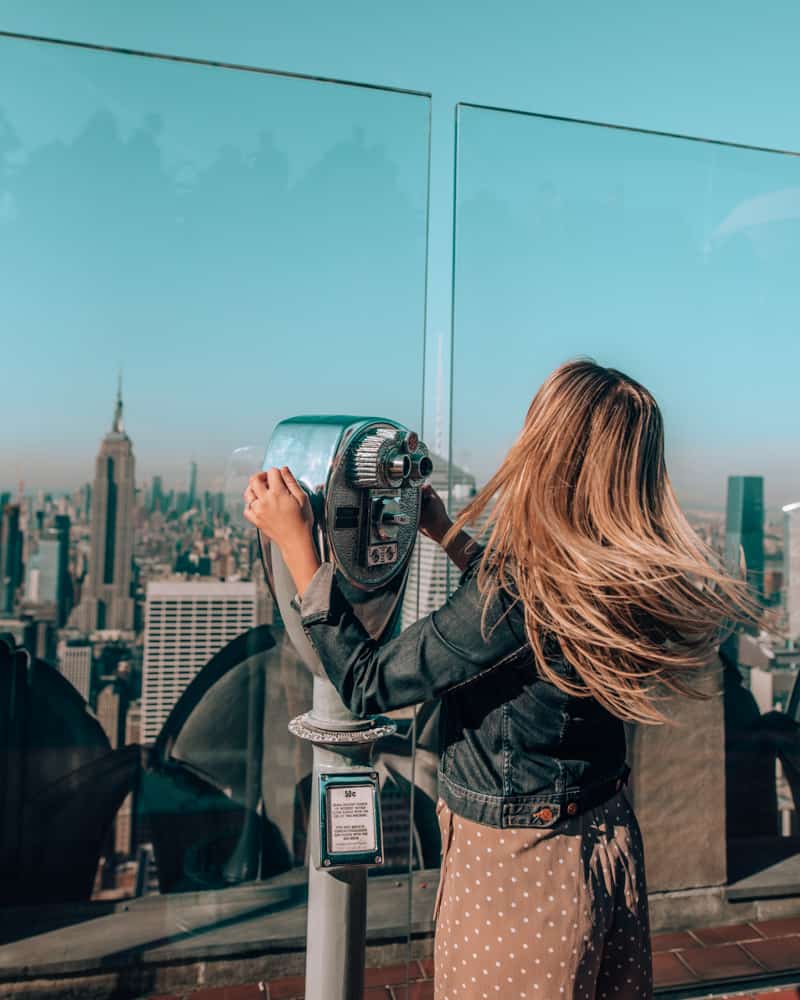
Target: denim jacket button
x,y
545,815
572,808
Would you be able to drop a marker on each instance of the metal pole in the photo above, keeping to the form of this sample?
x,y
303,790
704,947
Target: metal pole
x,y
365,522
337,897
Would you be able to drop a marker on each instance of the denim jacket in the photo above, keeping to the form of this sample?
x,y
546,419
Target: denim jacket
x,y
515,750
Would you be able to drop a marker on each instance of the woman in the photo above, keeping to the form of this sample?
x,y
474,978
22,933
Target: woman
x,y
591,602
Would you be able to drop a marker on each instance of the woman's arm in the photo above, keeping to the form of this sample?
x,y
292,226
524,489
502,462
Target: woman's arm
x,y
463,550
434,523
279,507
438,652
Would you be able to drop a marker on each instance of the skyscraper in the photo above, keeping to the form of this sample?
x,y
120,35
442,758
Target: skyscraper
x,y
157,495
124,825
75,663
791,568
192,497
86,501
744,528
185,625
64,588
111,715
41,578
47,579
11,542
106,601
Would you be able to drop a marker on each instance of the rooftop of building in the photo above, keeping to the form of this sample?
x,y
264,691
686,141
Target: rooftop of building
x,y
204,588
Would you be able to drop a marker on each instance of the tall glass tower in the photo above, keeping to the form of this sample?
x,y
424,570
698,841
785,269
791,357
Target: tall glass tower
x,y
744,528
11,543
191,499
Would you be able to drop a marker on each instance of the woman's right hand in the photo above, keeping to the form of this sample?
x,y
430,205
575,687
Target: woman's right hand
x,y
433,520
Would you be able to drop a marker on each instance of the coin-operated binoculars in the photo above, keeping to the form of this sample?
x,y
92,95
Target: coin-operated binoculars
x,y
363,476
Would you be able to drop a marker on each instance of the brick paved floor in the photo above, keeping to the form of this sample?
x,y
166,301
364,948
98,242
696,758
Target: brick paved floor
x,y
682,958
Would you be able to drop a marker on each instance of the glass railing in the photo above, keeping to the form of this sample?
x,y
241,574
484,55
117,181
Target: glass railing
x,y
193,252
673,260
190,253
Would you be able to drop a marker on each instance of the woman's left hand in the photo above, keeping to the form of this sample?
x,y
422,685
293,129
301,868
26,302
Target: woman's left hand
x,y
279,507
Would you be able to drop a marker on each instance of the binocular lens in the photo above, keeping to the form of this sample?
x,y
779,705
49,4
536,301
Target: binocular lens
x,y
398,468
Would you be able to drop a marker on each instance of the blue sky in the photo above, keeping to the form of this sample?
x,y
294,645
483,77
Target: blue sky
x,y
244,246
198,376
674,261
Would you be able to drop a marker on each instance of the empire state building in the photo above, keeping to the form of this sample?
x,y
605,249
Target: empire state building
x,y
106,601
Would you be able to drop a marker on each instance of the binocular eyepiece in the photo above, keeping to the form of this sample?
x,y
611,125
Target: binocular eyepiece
x,y
421,467
385,458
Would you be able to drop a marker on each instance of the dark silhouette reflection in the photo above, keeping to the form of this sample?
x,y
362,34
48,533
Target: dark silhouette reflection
x,y
202,792
783,733
749,761
403,775
224,795
60,781
754,743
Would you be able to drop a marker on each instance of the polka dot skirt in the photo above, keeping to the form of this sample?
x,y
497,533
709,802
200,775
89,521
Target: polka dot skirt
x,y
543,913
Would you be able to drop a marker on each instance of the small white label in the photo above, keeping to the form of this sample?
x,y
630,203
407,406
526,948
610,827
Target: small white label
x,y
351,819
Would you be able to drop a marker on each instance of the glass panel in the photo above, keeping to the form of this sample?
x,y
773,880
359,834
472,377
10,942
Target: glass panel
x,y
676,262
238,247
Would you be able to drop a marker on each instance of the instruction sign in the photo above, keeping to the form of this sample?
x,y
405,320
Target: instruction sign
x,y
351,819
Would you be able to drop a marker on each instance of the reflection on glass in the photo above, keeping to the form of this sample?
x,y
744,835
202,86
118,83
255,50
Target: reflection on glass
x,y
241,247
243,463
674,261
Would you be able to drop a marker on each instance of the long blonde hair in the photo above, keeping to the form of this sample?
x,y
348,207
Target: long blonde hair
x,y
587,533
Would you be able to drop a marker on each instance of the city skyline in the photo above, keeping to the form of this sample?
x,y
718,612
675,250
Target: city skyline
x,y
246,244
194,585
191,471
